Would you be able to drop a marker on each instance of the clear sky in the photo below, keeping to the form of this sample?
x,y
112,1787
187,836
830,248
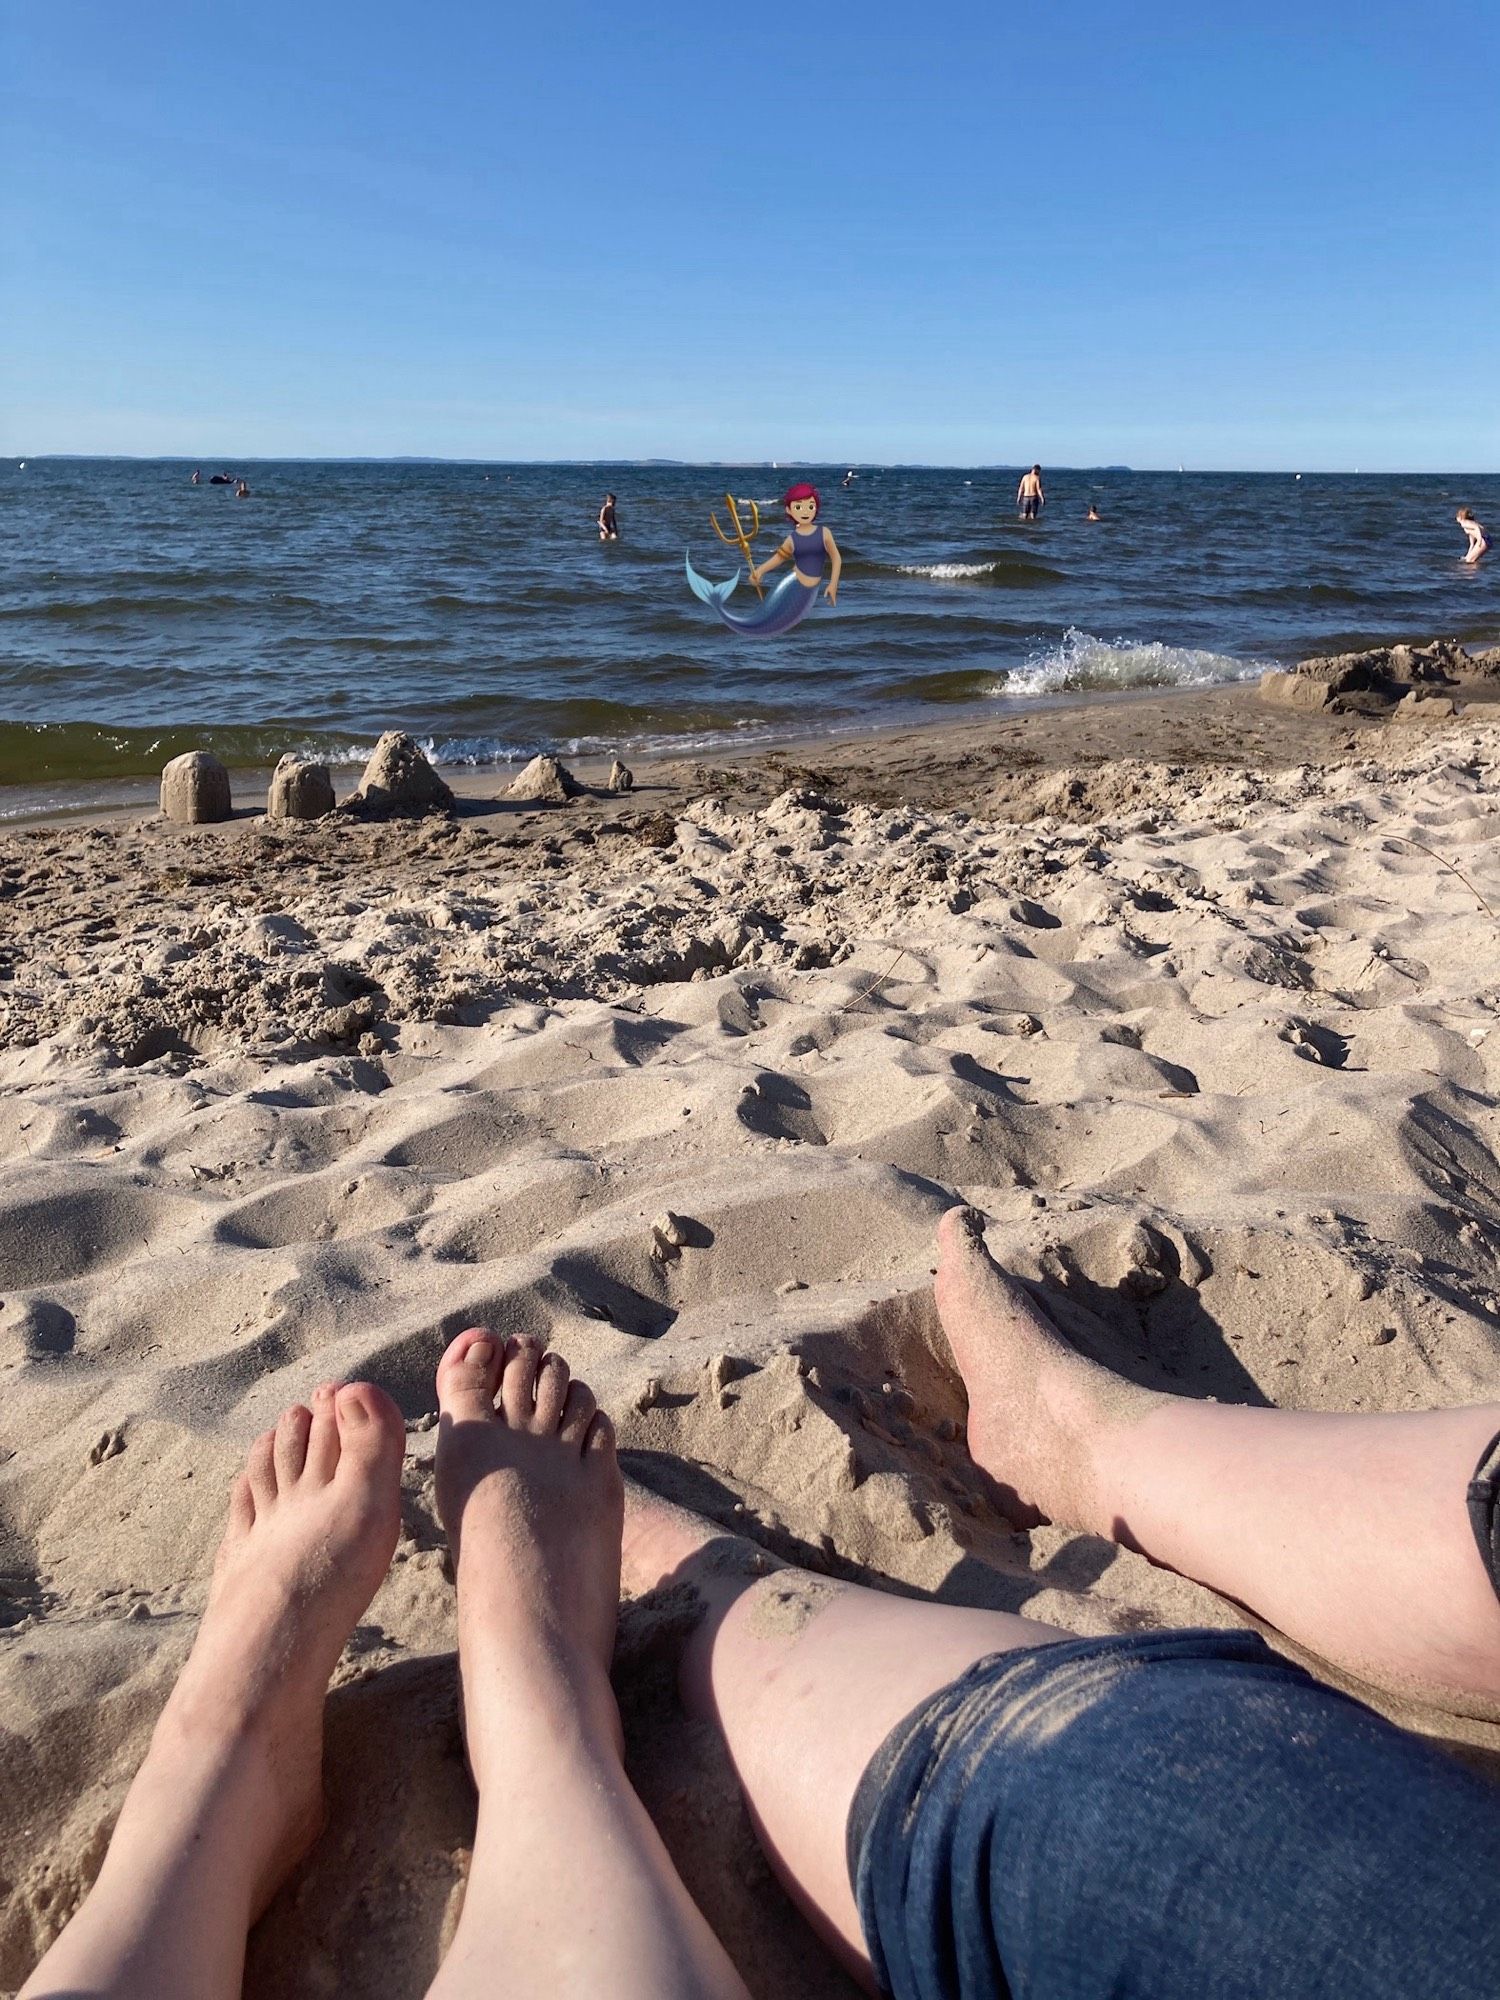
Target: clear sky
x,y
1219,235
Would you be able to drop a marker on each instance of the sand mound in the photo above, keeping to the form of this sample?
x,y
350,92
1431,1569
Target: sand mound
x,y
1218,1053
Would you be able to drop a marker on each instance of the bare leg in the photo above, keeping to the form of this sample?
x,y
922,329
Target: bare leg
x,y
230,1795
805,1678
530,1493
1348,1533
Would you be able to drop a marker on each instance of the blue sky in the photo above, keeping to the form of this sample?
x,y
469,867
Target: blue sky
x,y
1220,236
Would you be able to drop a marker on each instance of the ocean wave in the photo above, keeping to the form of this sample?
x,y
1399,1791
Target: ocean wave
x,y
945,571
954,684
1015,572
1080,662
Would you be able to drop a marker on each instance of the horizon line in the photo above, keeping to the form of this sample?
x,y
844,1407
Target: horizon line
x,y
713,464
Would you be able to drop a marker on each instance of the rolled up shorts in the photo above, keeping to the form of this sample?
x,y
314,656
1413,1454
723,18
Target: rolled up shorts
x,y
1175,1816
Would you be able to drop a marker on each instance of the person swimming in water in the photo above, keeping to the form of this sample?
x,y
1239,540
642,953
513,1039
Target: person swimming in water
x,y
807,546
609,528
242,490
197,479
1479,541
1093,514
1029,495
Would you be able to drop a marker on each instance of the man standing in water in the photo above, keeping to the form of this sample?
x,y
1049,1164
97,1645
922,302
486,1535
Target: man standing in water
x,y
1479,541
608,529
1029,495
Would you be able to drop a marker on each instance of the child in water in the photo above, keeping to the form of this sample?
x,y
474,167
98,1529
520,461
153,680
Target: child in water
x,y
1479,541
806,546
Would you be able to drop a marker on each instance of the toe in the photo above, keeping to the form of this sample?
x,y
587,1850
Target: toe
x,y
961,1232
518,1382
551,1392
323,1438
578,1414
290,1448
241,1508
600,1441
967,1275
260,1471
372,1436
468,1377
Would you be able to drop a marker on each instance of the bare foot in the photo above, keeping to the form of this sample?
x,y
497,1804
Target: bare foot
x,y
1036,1405
230,1795
530,1493
529,1490
313,1521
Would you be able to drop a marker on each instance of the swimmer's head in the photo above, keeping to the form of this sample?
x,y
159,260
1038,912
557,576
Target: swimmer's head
x,y
1462,514
801,503
1036,468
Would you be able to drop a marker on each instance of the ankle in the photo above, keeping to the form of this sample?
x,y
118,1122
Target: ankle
x,y
1097,1414
1046,1467
538,1710
200,1741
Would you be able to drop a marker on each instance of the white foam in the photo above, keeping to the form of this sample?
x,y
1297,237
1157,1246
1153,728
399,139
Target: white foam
x,y
949,572
1080,662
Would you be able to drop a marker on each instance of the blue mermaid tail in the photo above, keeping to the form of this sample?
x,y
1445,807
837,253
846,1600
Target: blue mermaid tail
x,y
784,606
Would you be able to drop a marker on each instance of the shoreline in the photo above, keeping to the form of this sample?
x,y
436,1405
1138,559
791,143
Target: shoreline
x,y
140,937
1046,732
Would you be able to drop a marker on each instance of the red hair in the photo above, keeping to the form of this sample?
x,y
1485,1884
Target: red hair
x,y
802,491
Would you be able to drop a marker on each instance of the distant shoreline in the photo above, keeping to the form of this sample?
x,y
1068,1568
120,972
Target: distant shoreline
x,y
748,464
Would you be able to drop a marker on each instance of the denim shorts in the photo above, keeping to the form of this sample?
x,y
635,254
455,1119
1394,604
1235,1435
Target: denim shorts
x,y
1175,1816
1484,1508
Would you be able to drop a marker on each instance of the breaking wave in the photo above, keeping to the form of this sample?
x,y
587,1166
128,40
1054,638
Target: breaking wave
x,y
1080,662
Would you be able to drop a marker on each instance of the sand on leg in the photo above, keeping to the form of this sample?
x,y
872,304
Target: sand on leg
x,y
1350,1533
571,1891
804,1678
230,1795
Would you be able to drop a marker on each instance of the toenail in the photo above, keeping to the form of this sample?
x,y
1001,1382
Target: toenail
x,y
482,1353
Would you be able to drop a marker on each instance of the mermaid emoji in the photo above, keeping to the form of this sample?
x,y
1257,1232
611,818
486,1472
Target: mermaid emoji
x,y
808,547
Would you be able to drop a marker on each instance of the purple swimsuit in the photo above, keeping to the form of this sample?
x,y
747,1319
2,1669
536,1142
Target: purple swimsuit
x,y
808,550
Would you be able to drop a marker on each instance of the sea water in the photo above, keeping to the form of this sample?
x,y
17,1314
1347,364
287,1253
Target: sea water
x,y
474,605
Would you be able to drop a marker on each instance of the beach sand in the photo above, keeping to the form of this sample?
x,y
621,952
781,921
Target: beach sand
x,y
1189,995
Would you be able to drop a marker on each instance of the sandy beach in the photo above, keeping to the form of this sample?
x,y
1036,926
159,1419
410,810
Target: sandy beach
x,y
1197,998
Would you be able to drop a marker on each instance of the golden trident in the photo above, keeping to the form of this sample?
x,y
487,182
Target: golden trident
x,y
739,538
